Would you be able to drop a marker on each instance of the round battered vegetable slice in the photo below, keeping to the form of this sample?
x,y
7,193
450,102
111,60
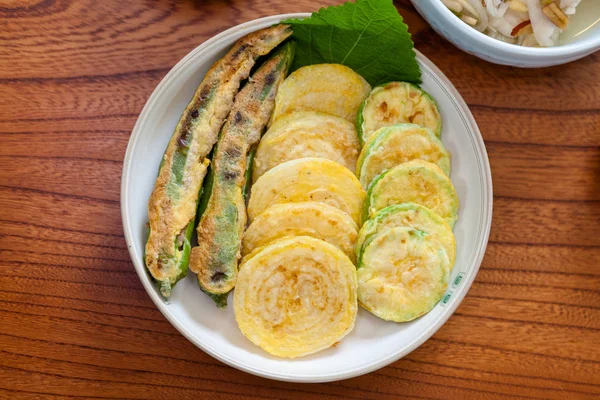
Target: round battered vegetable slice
x,y
415,181
409,215
402,274
308,179
330,88
313,219
393,145
307,134
296,296
395,103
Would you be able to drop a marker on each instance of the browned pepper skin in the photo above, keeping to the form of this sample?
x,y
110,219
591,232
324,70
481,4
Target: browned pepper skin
x,y
220,230
173,203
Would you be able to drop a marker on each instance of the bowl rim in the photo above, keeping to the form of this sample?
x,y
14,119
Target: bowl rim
x,y
457,297
580,46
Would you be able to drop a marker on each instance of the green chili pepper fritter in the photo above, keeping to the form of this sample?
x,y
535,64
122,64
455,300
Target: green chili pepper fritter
x,y
173,203
222,224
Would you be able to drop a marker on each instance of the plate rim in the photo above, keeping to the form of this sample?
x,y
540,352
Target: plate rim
x,y
162,305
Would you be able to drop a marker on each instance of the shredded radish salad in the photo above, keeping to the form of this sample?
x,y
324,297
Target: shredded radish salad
x,y
523,22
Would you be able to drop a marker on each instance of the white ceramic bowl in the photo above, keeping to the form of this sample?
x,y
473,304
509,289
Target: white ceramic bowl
x,y
474,42
373,343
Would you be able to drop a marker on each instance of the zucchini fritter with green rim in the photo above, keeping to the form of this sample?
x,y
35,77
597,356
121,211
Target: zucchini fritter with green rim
x,y
396,144
415,181
396,103
409,215
402,274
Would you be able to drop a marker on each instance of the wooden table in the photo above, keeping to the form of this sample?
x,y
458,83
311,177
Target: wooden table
x,y
75,321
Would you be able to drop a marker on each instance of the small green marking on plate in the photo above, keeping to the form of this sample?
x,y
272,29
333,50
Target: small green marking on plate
x,y
446,299
458,279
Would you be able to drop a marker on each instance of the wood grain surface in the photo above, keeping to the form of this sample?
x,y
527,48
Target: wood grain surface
x,y
75,321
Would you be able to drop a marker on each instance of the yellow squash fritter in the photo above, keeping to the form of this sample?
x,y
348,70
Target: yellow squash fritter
x,y
307,134
308,179
328,88
296,296
310,218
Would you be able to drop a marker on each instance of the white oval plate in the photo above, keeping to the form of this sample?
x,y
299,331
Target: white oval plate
x,y
373,343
